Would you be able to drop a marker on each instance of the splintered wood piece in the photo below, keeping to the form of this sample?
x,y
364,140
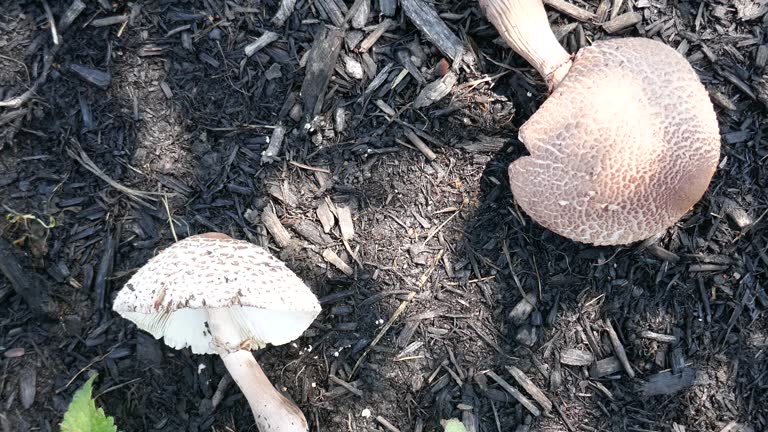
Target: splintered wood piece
x,y
275,142
388,7
325,215
337,262
267,38
602,11
419,144
425,18
574,357
276,229
666,383
523,309
616,8
360,16
73,11
110,20
618,348
374,36
570,9
29,285
530,387
332,9
283,12
736,213
435,90
283,193
622,22
96,77
670,339
320,66
524,401
312,233
346,225
604,367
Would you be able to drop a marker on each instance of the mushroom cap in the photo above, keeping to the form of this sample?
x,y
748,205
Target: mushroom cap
x,y
625,145
170,296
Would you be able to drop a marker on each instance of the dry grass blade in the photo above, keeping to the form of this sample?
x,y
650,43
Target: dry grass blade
x,y
77,153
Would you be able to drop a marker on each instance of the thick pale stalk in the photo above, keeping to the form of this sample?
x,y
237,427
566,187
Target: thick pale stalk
x,y
272,411
524,27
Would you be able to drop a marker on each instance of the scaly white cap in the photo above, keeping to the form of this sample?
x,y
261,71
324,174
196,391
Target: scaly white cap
x,y
172,296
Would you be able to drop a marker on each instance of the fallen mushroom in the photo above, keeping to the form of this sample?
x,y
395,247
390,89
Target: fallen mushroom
x,y
222,296
626,143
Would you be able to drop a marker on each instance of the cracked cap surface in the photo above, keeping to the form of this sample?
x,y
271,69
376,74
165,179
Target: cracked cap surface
x,y
622,149
170,295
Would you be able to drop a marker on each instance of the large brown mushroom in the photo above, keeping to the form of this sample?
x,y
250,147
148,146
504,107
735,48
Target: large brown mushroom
x,y
625,145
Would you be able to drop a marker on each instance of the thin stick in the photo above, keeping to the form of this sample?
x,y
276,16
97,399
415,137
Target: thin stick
x,y
400,309
51,22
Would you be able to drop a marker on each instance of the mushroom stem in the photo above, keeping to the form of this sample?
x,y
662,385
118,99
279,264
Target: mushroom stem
x,y
524,26
272,411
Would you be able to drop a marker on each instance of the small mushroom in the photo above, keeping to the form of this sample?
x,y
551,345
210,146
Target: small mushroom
x,y
222,296
626,143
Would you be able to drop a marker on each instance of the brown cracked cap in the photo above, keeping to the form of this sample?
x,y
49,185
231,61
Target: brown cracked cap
x,y
170,295
626,144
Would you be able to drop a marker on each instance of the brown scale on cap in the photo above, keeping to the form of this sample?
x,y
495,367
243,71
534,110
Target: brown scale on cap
x,y
626,143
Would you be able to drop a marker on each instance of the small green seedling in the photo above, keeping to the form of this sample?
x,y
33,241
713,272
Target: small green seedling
x,y
453,425
82,414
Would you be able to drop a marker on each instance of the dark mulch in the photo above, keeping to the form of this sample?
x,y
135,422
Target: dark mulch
x,y
165,101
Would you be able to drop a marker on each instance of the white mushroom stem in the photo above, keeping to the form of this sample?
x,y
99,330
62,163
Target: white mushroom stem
x,y
524,26
272,411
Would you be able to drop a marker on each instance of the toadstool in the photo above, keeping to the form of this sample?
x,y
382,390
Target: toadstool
x,y
218,295
627,141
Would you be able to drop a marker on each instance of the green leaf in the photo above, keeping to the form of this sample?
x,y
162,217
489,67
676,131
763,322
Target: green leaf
x,y
82,414
453,425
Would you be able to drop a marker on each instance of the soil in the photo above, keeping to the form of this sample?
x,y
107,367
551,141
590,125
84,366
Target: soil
x,y
153,128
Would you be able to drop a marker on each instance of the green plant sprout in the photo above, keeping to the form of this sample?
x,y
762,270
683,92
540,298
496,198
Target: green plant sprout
x,y
453,425
82,414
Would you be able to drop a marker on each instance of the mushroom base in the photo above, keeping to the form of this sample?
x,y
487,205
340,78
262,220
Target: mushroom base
x,y
272,411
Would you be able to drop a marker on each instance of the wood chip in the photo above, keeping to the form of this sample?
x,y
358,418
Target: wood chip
x,y
27,386
283,12
666,383
275,143
604,367
435,90
520,312
419,144
374,36
73,11
388,7
618,348
313,233
622,22
276,229
92,76
574,357
108,21
346,225
425,18
670,339
530,387
570,9
524,401
265,39
320,65
360,18
326,217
